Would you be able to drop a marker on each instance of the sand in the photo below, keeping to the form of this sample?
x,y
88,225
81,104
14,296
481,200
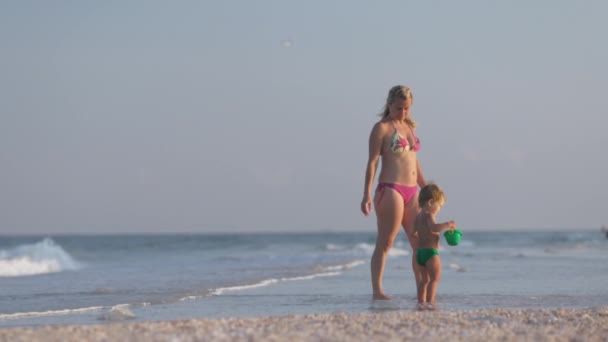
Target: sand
x,y
483,325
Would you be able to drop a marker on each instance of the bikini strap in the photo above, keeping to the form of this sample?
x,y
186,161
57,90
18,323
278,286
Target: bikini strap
x,y
413,133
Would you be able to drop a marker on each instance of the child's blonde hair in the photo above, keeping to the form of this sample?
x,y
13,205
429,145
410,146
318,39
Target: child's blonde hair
x,y
429,192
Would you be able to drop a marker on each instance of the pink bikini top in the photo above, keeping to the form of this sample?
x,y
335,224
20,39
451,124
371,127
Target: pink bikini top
x,y
400,143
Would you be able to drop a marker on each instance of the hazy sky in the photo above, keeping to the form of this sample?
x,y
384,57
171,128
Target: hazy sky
x,y
172,116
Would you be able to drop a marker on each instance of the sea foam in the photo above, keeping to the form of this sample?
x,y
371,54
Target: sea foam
x,y
38,258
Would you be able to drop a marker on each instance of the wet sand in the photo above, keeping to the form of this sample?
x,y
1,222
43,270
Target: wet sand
x,y
481,325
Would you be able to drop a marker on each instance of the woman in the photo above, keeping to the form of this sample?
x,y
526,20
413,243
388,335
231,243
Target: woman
x,y
395,199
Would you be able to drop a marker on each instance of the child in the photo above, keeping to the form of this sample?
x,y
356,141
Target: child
x,y
430,200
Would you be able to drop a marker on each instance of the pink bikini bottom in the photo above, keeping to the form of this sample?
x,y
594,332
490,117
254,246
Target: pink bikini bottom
x,y
406,192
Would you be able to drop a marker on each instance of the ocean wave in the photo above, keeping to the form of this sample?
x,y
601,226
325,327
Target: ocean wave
x,y
268,282
39,258
365,249
262,283
457,267
20,315
222,290
117,313
333,247
368,248
577,250
327,271
466,243
344,266
312,276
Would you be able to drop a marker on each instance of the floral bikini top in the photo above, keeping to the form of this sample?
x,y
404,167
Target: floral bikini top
x,y
400,143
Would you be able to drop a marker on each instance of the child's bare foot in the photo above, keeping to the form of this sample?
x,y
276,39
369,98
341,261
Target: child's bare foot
x,y
421,306
381,296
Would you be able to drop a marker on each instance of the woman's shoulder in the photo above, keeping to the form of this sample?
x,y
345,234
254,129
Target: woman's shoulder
x,y
380,129
381,125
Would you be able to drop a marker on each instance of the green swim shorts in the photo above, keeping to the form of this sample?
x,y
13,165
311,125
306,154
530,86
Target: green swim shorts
x,y
424,254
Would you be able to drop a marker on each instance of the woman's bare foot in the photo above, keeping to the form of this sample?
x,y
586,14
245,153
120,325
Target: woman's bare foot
x,y
381,296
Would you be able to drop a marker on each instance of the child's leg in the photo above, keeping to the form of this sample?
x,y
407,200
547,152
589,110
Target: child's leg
x,y
421,284
433,268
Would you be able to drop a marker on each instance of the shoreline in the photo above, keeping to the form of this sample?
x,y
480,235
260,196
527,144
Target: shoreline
x,y
478,325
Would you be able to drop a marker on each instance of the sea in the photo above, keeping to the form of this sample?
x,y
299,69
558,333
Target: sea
x,y
72,279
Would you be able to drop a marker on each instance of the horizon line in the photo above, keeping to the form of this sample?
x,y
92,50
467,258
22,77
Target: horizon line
x,y
286,232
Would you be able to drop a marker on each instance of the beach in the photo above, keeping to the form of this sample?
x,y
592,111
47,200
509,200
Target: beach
x,y
477,325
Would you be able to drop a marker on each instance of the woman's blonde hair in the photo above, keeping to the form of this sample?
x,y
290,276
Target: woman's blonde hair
x,y
399,92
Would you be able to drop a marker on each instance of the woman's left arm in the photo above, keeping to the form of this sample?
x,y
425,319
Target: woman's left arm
x,y
420,177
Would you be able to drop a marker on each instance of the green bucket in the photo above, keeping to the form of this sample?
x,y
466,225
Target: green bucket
x,y
453,236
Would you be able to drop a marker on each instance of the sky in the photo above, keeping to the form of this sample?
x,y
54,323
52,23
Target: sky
x,y
249,116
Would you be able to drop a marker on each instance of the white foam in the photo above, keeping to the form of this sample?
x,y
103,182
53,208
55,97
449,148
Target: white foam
x,y
457,267
268,282
117,313
345,266
398,252
19,315
38,258
327,272
368,249
262,283
26,266
466,243
312,276
333,247
365,247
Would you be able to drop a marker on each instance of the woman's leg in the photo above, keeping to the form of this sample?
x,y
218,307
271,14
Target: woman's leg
x,y
389,211
409,216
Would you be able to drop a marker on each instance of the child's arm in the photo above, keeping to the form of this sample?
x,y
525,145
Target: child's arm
x,y
439,227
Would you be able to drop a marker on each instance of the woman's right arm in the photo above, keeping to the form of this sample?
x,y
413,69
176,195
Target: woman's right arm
x,y
375,145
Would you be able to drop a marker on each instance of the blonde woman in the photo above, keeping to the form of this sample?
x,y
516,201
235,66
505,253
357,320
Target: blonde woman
x,y
392,139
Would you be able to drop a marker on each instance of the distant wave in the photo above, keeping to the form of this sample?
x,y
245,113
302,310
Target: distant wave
x,y
466,243
364,248
38,258
333,247
369,249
